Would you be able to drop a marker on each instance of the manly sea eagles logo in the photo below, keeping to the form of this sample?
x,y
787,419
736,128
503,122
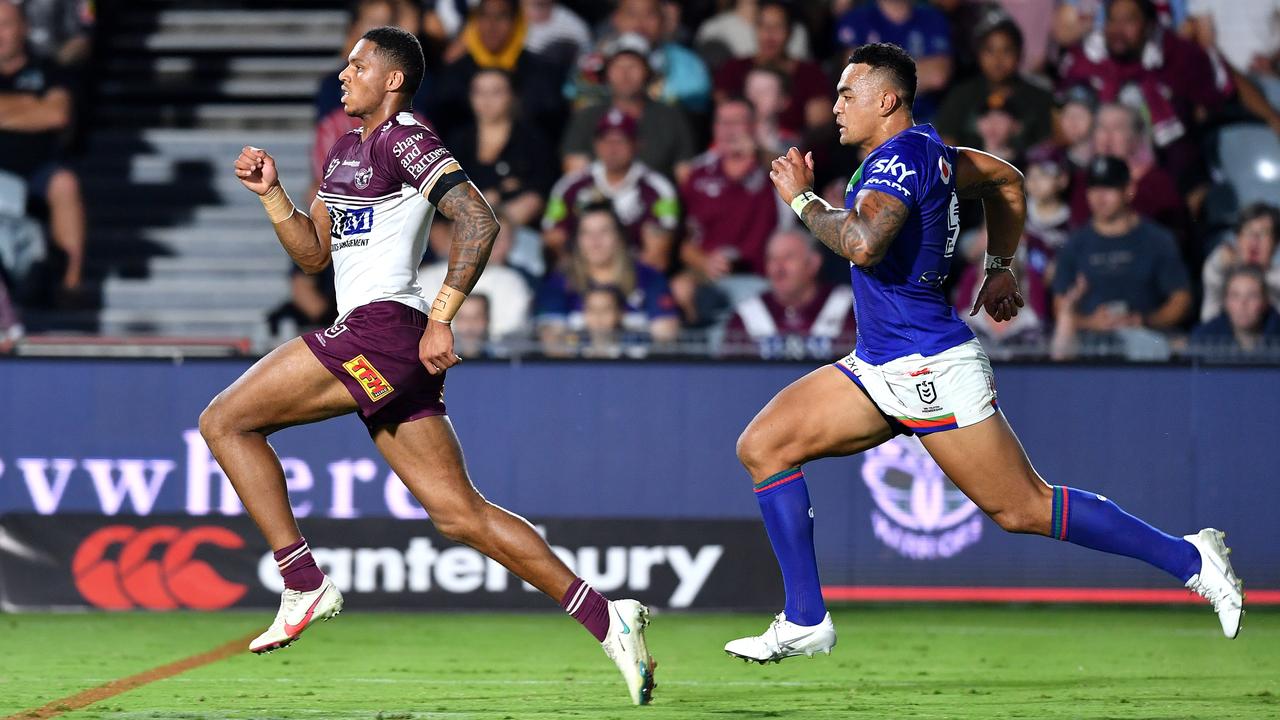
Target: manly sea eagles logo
x,y
919,513
363,176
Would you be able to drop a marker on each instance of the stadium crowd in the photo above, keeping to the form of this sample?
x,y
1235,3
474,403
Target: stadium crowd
x,y
625,148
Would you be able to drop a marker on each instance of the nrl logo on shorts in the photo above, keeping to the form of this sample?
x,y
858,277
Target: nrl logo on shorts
x,y
375,386
919,513
363,176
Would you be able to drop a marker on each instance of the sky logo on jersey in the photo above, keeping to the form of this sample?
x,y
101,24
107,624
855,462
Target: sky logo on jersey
x,y
375,386
893,166
920,514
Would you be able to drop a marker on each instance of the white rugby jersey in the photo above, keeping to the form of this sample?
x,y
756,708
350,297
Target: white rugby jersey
x,y
376,192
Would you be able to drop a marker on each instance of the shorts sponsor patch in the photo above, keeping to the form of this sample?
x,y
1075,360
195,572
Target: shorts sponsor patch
x,y
375,386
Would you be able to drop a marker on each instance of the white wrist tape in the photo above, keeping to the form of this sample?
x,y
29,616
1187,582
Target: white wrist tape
x,y
998,262
801,201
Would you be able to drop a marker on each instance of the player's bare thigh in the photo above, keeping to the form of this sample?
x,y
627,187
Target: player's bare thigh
x,y
986,461
287,387
427,456
823,414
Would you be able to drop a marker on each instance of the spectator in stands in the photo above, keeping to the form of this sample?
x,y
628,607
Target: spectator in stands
x,y
1129,267
555,32
35,108
60,31
508,159
644,200
1248,323
797,316
1048,215
920,29
1073,20
1246,34
809,89
1254,244
312,304
600,260
509,297
1120,131
998,124
1133,60
732,33
767,90
494,38
678,76
604,335
332,120
442,22
1036,26
1076,107
998,85
471,327
730,208
664,134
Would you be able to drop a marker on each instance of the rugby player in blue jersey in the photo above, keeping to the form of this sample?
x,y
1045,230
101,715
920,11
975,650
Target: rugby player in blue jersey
x,y
917,368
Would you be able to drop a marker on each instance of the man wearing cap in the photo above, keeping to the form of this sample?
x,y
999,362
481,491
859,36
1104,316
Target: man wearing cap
x,y
666,140
644,201
1120,271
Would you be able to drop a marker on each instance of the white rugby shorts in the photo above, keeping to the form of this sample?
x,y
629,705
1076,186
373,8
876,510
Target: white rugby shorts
x,y
920,395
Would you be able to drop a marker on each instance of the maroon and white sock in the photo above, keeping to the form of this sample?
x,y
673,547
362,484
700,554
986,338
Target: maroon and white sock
x,y
298,568
587,607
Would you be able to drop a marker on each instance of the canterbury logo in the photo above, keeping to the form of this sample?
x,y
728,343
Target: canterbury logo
x,y
135,580
370,379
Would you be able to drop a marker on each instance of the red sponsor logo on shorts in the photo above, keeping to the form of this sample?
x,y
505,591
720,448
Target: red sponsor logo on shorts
x,y
375,386
135,580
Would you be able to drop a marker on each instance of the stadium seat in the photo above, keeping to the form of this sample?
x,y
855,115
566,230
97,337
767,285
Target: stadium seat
x,y
1249,161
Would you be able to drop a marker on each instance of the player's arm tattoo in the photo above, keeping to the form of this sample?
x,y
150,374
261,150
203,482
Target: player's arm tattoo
x,y
984,188
862,235
474,230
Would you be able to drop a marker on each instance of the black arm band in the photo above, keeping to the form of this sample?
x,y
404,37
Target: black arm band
x,y
445,184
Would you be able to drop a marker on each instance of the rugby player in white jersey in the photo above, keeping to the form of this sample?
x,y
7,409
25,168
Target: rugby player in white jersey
x,y
386,356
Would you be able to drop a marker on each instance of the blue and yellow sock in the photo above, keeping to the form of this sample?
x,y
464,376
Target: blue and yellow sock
x,y
788,517
1093,521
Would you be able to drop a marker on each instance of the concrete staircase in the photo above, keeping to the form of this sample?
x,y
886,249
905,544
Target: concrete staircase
x,y
177,246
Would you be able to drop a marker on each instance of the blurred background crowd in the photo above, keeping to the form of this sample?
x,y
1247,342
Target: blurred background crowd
x,y
625,147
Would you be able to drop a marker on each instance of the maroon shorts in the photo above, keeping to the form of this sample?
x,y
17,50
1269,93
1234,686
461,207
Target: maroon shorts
x,y
374,353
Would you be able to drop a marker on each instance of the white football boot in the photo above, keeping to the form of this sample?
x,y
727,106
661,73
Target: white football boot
x,y
298,611
1216,581
785,639
625,645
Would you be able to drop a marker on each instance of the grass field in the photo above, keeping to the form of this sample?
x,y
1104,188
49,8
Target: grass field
x,y
892,662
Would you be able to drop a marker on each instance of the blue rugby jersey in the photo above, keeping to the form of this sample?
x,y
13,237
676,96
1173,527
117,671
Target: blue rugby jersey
x,y
899,303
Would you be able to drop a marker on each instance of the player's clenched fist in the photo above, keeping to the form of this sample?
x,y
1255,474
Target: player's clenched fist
x,y
435,350
792,174
256,169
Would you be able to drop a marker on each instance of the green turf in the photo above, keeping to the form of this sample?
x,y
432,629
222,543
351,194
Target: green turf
x,y
912,662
